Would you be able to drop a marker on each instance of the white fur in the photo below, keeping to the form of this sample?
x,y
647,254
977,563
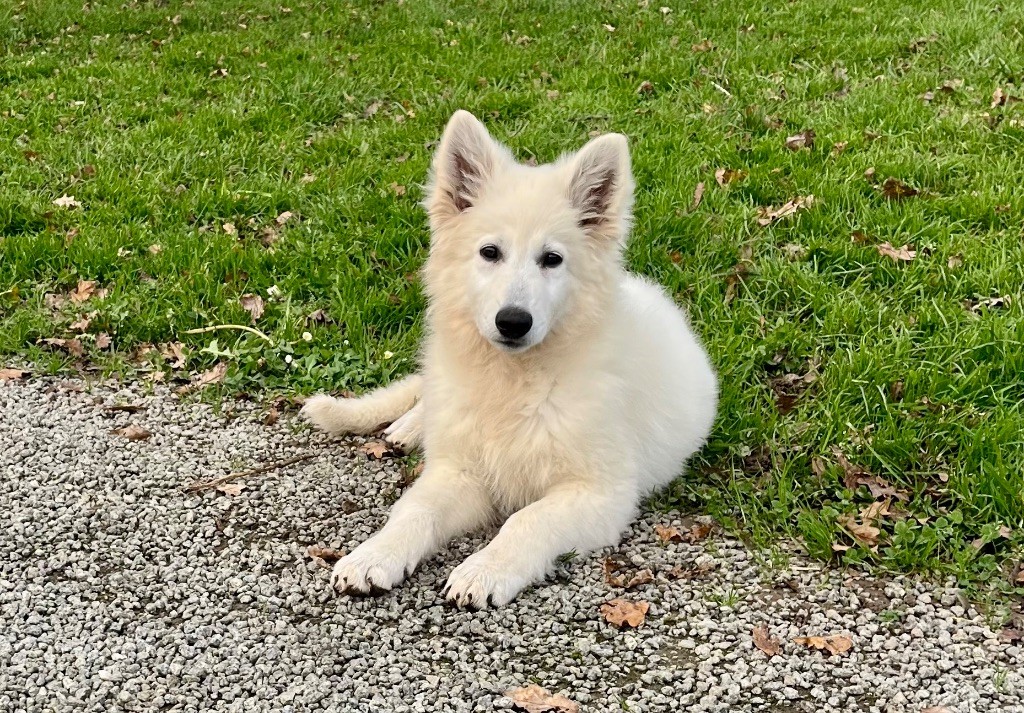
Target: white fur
x,y
560,435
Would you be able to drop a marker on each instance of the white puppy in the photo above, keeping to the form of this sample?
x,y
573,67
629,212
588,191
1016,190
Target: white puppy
x,y
556,388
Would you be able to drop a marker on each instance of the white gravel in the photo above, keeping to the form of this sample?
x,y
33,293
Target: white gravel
x,y
120,592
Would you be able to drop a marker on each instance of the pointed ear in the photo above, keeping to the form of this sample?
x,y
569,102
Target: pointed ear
x,y
466,157
601,187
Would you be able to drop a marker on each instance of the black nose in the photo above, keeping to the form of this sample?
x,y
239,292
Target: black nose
x,y
513,322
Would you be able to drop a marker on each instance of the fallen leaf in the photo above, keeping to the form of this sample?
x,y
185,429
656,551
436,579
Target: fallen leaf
x,y
769,214
86,171
85,290
8,374
859,237
229,228
955,261
990,303
854,476
102,340
703,46
838,147
71,346
836,645
398,189
644,576
132,433
698,195
272,416
902,254
645,88
725,176
173,352
609,28
375,450
668,534
862,532
624,613
125,408
697,532
283,217
231,488
896,190
307,178
324,556
215,375
534,699
253,304
803,140
765,641
155,249
80,325
67,202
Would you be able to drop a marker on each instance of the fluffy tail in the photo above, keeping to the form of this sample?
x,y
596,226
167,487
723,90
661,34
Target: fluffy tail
x,y
365,414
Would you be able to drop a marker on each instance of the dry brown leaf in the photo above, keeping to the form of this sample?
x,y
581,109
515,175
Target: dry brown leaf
x,y
253,304
272,415
80,325
398,189
102,340
668,534
132,433
85,290
725,176
644,576
375,450
155,249
624,613
803,140
698,196
862,532
703,46
765,641
836,645
214,375
534,699
324,556
769,214
838,147
902,254
71,346
7,374
896,190
284,217
680,572
67,202
231,488
174,352
229,228
645,88
697,532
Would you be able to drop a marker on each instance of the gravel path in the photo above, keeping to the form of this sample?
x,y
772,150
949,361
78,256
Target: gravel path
x,y
118,591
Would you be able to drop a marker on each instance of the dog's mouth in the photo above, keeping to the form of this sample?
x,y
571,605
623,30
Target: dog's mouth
x,y
511,345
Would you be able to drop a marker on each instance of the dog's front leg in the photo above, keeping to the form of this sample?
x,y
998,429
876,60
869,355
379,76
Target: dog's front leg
x,y
442,503
572,516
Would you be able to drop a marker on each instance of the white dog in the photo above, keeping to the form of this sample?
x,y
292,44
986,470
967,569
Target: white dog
x,y
556,389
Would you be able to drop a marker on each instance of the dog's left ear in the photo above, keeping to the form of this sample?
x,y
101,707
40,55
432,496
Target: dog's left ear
x,y
601,187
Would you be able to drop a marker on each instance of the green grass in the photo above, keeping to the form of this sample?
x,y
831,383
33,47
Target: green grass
x,y
198,114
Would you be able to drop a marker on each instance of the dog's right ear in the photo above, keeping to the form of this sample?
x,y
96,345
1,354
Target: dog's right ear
x,y
465,158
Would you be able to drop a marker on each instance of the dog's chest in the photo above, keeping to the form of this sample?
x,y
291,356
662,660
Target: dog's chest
x,y
517,439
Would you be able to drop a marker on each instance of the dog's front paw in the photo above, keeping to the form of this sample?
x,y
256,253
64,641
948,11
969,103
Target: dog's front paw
x,y
325,412
481,581
407,431
371,568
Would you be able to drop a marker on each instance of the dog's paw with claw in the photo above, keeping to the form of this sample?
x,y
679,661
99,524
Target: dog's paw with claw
x,y
480,582
407,431
369,569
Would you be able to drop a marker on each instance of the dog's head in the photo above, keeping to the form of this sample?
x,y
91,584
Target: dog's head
x,y
524,251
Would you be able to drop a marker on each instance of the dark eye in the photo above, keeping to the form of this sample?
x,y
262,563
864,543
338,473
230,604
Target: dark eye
x,y
490,253
551,260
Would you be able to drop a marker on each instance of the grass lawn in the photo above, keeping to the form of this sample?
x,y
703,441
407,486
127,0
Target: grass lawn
x,y
217,149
